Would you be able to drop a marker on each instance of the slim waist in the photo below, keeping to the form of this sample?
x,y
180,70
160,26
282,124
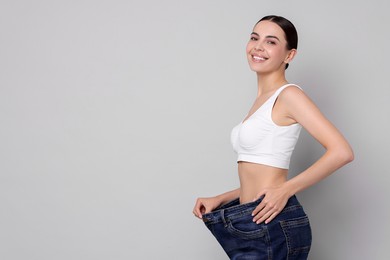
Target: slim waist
x,y
256,177
234,209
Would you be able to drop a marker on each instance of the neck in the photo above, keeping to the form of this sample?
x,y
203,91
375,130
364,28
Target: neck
x,y
269,82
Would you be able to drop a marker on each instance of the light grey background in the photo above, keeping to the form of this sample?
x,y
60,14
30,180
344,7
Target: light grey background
x,y
116,115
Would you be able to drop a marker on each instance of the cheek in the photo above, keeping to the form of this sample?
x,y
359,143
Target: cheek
x,y
249,46
279,54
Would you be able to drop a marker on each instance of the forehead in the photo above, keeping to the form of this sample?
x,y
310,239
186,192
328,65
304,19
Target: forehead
x,y
268,28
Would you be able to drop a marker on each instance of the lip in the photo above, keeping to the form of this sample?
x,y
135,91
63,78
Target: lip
x,y
258,58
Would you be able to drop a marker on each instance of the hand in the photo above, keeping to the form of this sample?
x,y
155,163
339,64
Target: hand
x,y
205,205
274,201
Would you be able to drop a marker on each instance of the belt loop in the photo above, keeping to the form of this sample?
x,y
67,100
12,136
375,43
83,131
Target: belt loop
x,y
223,217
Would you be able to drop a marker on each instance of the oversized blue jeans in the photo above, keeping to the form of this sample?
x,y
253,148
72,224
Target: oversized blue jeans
x,y
287,236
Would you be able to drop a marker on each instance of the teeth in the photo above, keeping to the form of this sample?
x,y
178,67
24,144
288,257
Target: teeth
x,y
258,58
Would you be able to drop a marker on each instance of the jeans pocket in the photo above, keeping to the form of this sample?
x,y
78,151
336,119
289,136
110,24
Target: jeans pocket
x,y
298,235
245,228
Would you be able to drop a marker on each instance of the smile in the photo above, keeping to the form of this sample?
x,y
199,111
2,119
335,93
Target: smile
x,y
258,58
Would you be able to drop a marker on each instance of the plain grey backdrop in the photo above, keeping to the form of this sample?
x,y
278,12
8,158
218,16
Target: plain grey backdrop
x,y
116,115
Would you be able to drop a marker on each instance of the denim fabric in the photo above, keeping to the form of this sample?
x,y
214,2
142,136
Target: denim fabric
x,y
288,236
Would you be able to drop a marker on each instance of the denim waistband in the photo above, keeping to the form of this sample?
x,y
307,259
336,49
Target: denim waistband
x,y
234,209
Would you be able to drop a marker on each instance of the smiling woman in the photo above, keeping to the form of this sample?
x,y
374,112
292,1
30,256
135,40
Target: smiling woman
x,y
263,219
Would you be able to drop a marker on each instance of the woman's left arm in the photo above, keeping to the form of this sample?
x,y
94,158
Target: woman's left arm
x,y
301,109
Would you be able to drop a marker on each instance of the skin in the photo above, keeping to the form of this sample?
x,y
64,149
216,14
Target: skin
x,y
292,106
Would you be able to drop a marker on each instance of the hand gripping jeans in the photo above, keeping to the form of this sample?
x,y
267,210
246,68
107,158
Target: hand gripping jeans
x,y
287,236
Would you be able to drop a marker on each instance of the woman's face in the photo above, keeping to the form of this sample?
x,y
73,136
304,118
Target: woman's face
x,y
267,48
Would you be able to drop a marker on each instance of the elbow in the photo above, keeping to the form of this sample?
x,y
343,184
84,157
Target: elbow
x,y
341,155
349,157
346,155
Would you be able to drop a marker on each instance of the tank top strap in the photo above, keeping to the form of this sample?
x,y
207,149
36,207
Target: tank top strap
x,y
262,141
277,92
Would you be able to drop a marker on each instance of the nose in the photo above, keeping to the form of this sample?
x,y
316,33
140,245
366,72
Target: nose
x,y
259,47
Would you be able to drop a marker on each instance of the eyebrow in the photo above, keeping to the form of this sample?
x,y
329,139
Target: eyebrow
x,y
268,36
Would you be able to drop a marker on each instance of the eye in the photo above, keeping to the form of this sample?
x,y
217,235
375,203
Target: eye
x,y
253,38
271,42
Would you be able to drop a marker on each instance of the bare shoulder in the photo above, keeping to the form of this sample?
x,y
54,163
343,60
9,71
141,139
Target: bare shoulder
x,y
298,105
291,91
293,96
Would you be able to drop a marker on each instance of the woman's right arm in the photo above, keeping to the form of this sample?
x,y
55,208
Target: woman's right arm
x,y
206,205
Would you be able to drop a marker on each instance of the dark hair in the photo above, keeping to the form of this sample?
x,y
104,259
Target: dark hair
x,y
288,28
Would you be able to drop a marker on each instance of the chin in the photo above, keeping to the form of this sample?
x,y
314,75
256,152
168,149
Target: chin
x,y
261,68
257,69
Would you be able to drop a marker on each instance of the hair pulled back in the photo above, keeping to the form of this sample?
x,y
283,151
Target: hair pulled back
x,y
288,28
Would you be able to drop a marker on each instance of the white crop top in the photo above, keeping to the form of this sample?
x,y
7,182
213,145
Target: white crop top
x,y
259,140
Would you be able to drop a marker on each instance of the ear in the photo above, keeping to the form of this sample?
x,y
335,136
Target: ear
x,y
290,56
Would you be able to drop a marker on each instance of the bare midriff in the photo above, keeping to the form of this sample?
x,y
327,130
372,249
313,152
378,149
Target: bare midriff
x,y
255,177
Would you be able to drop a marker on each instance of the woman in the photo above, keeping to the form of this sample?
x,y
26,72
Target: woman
x,y
263,219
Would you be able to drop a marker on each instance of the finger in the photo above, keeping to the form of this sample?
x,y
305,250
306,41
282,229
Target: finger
x,y
197,211
263,217
206,210
259,208
194,211
265,212
271,217
260,214
196,214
